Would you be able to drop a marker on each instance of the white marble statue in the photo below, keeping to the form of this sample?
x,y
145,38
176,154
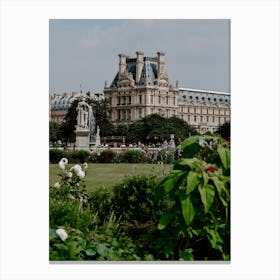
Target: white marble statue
x,y
83,114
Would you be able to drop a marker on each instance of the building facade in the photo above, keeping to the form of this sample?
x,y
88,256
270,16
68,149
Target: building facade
x,y
141,88
204,110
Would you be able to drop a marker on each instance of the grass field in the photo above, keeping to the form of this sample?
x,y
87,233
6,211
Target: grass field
x,y
109,174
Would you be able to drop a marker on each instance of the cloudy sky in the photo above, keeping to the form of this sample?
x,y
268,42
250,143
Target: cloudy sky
x,y
84,53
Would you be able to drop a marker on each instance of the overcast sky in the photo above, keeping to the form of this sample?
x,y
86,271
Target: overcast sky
x,y
84,53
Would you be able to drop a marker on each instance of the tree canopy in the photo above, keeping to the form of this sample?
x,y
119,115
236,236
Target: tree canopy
x,y
155,128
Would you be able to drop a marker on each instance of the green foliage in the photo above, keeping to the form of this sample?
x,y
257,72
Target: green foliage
x,y
184,217
85,237
69,213
80,156
102,111
132,156
133,199
56,155
154,128
224,130
200,191
54,132
101,243
100,203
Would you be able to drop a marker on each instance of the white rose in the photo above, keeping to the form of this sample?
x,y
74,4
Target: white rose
x,y
81,174
62,163
57,185
62,234
77,168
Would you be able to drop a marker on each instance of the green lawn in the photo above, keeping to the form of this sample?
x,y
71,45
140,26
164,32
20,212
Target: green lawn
x,y
108,174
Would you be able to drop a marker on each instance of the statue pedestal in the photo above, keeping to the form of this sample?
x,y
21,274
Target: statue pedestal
x,y
82,139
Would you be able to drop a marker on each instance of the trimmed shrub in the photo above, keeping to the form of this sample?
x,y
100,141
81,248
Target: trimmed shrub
x,y
56,155
132,156
80,156
107,156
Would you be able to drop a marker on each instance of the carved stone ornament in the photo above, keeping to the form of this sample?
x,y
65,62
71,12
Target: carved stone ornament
x,y
126,79
163,80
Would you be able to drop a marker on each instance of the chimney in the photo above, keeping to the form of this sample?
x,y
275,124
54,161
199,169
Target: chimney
x,y
139,65
122,63
160,56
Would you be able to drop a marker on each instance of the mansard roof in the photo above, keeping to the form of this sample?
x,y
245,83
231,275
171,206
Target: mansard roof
x,y
148,75
64,101
204,96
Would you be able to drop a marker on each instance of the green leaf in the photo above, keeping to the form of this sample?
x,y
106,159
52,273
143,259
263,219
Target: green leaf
x,y
192,181
222,191
168,250
207,195
205,178
187,255
189,141
52,234
101,249
215,239
188,210
90,252
164,220
187,161
171,182
224,154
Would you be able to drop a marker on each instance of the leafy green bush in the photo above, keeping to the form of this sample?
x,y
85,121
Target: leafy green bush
x,y
56,155
133,199
197,224
133,156
100,203
68,198
80,156
68,213
101,243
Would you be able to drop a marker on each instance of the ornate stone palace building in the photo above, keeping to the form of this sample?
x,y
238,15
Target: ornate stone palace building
x,y
142,87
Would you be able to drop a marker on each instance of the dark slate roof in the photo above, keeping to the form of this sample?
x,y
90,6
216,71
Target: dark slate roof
x,y
149,72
